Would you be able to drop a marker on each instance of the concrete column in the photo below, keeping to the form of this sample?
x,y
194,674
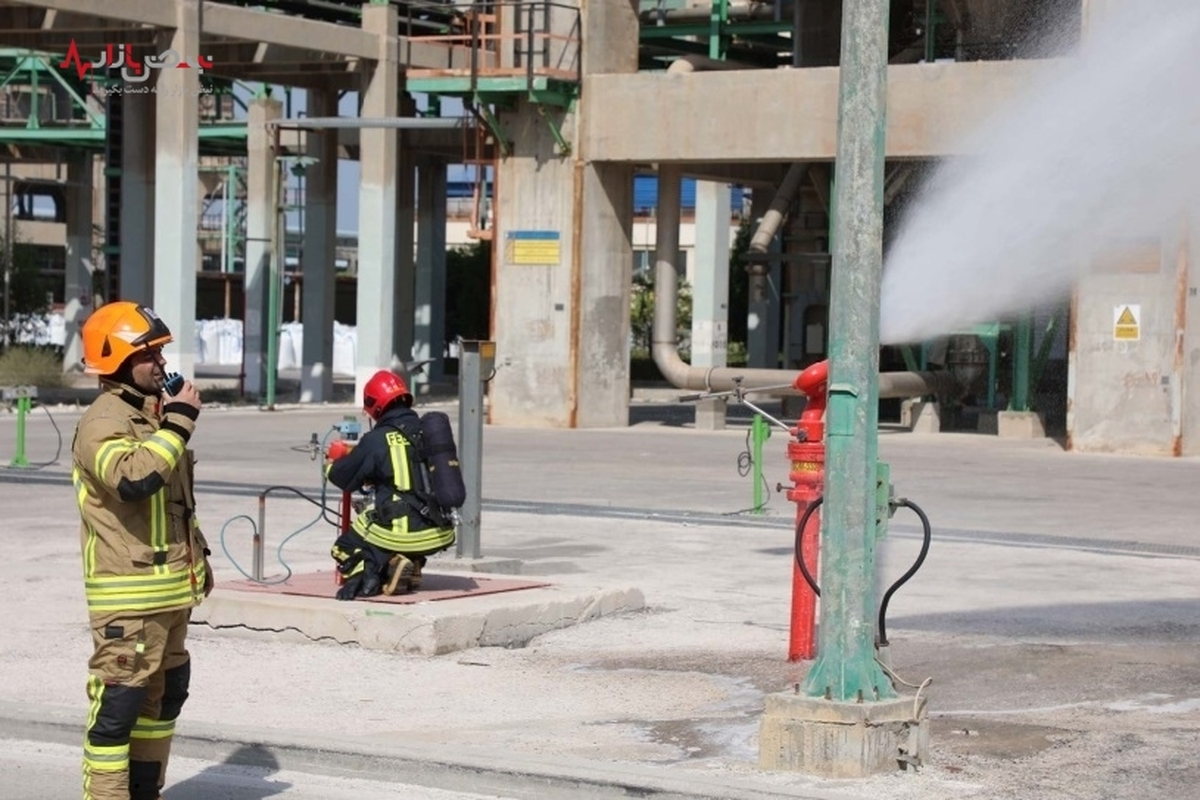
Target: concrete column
x,y
260,209
317,261
377,207
177,191
1187,313
137,198
762,325
710,293
79,266
563,258
430,317
1120,374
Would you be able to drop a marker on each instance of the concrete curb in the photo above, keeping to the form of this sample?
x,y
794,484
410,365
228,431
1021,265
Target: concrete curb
x,y
476,770
508,619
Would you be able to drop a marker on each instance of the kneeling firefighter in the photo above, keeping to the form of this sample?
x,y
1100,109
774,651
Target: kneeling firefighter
x,y
409,463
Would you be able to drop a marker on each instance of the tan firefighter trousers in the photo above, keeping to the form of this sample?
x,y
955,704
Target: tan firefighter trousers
x,y
139,678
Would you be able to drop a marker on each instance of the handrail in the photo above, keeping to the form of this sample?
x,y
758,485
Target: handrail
x,y
534,46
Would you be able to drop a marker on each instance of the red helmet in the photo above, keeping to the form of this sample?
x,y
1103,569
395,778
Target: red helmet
x,y
384,388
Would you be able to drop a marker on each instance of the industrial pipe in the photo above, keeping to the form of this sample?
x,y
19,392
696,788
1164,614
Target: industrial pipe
x,y
665,346
771,221
738,10
406,123
698,63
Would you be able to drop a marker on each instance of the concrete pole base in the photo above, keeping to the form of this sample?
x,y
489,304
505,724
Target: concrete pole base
x,y
1020,425
842,740
921,416
710,414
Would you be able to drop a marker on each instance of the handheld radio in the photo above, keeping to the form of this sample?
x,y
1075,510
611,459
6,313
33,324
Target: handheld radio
x,y
174,383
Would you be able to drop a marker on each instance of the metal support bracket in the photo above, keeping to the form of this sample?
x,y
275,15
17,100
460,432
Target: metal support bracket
x,y
564,147
484,113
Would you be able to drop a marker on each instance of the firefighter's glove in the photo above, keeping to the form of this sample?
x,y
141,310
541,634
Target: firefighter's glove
x,y
350,588
365,584
337,449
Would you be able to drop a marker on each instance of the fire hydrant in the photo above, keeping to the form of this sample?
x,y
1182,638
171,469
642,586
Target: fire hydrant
x,y
807,455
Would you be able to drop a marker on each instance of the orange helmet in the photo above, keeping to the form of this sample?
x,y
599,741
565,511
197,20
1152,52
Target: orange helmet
x,y
384,388
118,330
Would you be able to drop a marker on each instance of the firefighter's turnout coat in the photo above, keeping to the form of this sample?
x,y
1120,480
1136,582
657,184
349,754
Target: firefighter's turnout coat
x,y
143,551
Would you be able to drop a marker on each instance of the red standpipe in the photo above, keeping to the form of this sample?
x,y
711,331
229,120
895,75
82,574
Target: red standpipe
x,y
807,455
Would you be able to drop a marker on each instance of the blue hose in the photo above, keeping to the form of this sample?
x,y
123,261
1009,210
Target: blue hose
x,y
279,550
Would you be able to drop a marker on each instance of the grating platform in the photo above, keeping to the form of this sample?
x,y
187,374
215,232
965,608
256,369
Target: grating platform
x,y
434,587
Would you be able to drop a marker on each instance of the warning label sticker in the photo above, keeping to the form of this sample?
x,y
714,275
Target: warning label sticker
x,y
1127,323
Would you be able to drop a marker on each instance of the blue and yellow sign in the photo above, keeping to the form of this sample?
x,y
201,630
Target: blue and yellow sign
x,y
533,248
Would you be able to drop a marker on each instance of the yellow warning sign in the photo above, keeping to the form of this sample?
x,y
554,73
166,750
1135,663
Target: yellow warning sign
x,y
1127,323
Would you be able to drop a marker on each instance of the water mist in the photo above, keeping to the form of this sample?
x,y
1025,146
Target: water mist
x,y
1104,146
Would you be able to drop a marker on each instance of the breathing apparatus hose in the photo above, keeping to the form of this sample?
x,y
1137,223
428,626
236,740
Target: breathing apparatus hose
x,y
887,596
255,532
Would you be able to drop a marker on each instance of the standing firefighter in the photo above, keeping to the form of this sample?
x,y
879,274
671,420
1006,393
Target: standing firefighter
x,y
144,558
411,466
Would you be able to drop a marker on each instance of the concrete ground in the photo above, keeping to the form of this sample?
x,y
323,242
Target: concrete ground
x,y
1057,615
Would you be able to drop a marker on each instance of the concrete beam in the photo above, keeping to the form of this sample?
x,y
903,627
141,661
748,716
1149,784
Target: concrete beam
x,y
247,24
761,174
89,41
161,15
930,108
341,77
305,34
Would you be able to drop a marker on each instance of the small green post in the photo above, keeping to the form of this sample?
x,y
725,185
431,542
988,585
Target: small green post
x,y
759,433
1022,354
23,407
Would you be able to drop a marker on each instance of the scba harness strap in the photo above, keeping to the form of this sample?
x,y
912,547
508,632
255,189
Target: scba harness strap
x,y
411,492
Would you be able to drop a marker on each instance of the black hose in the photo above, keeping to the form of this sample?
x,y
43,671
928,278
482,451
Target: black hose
x,y
887,597
800,526
883,640
299,494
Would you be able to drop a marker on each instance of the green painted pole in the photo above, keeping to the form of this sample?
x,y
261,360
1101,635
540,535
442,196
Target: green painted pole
x,y
759,433
230,222
274,269
845,669
23,407
1022,355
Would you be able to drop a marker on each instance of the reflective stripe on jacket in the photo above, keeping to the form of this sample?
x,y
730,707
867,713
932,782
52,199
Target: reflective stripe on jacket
x,y
142,547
